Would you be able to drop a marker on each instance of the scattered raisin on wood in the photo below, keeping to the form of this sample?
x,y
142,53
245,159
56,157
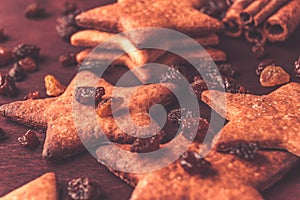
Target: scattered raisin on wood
x,y
273,75
7,85
26,50
2,35
28,64
29,140
216,8
226,70
35,10
5,56
146,145
3,135
68,7
68,60
32,95
66,26
88,95
259,50
297,67
17,72
263,64
193,163
243,149
83,188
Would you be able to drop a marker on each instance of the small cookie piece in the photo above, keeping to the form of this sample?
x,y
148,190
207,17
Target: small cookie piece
x,y
265,119
273,75
43,187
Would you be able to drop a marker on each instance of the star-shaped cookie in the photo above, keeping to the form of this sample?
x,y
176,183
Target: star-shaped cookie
x,y
58,117
272,120
229,176
128,14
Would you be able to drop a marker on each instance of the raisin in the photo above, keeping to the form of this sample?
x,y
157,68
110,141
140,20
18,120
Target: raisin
x,y
297,67
68,60
28,64
17,72
89,95
193,163
53,86
263,64
259,50
215,8
2,35
29,140
3,135
5,56
7,85
66,26
226,70
35,10
273,75
146,145
68,7
26,50
32,95
232,86
175,115
83,188
199,86
244,150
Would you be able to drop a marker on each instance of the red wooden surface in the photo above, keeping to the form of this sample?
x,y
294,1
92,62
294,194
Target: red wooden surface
x,y
19,165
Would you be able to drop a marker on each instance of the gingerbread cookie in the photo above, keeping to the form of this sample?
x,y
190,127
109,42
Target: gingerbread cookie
x,y
43,187
266,119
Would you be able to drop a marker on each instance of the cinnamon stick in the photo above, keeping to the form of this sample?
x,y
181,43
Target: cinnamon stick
x,y
255,35
231,20
283,23
247,16
267,11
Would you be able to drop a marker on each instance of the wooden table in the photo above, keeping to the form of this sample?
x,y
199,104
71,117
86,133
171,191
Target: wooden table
x,y
19,165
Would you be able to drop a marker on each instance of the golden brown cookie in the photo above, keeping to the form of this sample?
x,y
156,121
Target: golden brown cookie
x,y
43,187
266,119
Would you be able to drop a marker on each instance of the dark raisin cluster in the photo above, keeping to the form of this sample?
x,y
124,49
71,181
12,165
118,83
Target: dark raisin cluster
x,y
146,145
68,59
263,64
297,67
83,188
3,135
26,50
66,25
88,95
193,163
7,85
216,8
35,10
29,140
242,149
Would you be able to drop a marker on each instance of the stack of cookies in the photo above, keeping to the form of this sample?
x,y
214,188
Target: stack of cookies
x,y
104,22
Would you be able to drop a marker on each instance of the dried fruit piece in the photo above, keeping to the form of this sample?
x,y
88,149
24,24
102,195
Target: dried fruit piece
x,y
28,64
3,135
5,56
89,95
35,10
68,60
29,140
194,128
215,8
175,115
32,95
273,75
244,150
226,70
53,86
2,35
68,7
297,67
193,163
17,72
259,50
83,188
26,50
7,85
66,26
263,64
146,145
